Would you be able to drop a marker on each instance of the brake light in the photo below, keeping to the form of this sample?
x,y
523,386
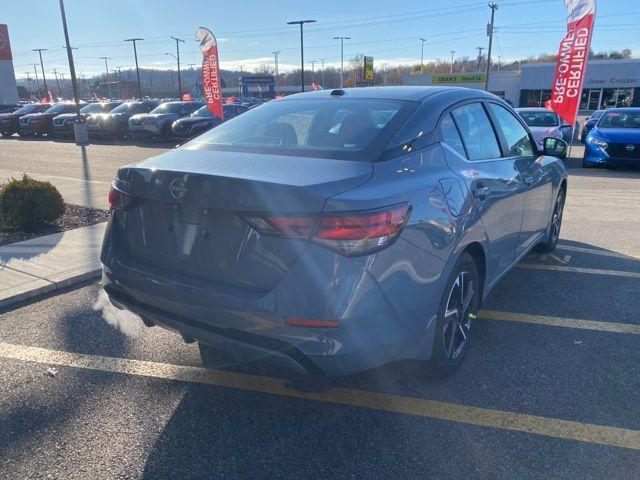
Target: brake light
x,y
348,233
118,200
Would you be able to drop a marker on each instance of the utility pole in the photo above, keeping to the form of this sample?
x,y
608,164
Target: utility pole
x,y
55,72
499,62
301,23
28,74
106,68
35,72
451,66
342,39
135,54
422,40
493,7
275,55
322,62
480,49
178,40
44,78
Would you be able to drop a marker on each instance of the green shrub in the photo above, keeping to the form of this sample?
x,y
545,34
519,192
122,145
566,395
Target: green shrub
x,y
28,203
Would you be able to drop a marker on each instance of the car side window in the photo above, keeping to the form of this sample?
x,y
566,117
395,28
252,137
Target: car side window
x,y
476,131
515,134
450,135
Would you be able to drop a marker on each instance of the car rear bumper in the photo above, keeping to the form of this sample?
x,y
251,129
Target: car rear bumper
x,y
371,330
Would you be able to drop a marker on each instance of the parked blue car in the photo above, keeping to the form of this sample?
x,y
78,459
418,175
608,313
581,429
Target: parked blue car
x,y
335,231
615,140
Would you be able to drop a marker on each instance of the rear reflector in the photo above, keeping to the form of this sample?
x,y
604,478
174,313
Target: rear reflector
x,y
348,233
310,322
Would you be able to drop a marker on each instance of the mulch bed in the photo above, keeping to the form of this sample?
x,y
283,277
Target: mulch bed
x,y
74,216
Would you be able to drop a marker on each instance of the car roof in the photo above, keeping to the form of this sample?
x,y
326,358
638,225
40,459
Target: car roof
x,y
534,109
623,109
412,93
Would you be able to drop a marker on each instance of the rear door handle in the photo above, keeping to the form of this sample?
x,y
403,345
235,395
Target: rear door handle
x,y
481,192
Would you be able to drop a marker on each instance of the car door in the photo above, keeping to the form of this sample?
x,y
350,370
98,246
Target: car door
x,y
493,181
518,146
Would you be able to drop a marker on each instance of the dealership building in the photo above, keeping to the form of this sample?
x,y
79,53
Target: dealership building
x,y
8,89
607,83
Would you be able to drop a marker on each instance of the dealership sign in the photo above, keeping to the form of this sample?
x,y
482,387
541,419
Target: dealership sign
x,y
572,59
459,78
368,68
5,48
211,85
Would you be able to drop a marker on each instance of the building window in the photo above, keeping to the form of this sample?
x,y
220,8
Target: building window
x,y
534,98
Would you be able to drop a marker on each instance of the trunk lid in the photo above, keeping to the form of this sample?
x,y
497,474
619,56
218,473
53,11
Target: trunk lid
x,y
187,215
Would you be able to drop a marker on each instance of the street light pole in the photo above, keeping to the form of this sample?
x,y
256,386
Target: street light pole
x,y
80,129
275,55
342,39
301,23
493,7
451,66
135,54
44,78
422,40
178,40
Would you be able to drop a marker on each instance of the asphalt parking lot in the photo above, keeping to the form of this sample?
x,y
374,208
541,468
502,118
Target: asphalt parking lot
x,y
549,388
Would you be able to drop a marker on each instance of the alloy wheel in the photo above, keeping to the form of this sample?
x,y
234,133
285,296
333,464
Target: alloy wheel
x,y
556,220
455,333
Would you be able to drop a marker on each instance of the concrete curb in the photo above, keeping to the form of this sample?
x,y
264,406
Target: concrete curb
x,y
50,287
45,264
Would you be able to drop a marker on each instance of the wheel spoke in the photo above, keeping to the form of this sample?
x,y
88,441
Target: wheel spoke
x,y
462,331
453,337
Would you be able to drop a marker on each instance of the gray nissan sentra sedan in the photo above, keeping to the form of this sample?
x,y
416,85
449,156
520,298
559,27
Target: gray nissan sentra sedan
x,y
335,231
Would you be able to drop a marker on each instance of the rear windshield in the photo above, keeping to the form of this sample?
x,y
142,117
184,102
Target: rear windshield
x,y
127,107
169,107
329,127
539,119
620,120
31,109
59,108
203,112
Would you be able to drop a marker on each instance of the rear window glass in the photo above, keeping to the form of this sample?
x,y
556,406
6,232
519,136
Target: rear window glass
x,y
335,128
539,119
450,135
477,132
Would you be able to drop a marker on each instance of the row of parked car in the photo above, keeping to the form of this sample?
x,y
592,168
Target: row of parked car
x,y
147,119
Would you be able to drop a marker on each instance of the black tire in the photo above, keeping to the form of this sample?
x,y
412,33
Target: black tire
x,y
452,334
555,224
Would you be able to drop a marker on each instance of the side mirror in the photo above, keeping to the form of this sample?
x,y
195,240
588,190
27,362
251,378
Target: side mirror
x,y
554,147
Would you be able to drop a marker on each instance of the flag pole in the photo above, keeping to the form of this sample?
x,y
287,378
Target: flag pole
x,y
575,116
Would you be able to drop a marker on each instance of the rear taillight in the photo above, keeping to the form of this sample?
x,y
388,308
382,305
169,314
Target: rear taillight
x,y
348,233
118,200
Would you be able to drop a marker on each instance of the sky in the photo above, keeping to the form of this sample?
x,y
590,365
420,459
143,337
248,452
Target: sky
x,y
248,31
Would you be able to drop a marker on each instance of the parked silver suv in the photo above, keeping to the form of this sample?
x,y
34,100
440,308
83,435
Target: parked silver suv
x,y
157,123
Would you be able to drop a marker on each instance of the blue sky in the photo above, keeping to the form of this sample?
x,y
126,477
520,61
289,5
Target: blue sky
x,y
250,30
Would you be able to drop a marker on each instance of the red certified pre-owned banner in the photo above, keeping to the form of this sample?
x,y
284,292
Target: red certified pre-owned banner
x,y
211,86
572,59
5,47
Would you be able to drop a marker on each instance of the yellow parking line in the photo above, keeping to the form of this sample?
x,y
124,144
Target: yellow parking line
x,y
561,322
596,252
485,417
593,271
